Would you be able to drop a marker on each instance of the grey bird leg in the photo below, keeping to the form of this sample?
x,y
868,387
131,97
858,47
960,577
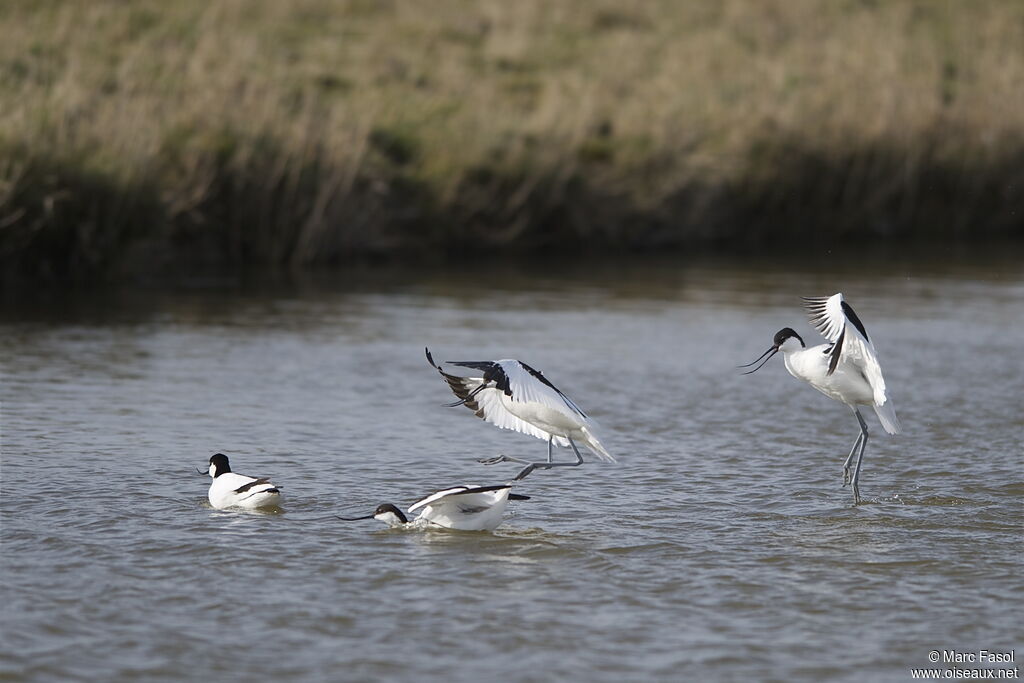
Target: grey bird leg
x,y
550,439
860,457
531,466
849,458
501,458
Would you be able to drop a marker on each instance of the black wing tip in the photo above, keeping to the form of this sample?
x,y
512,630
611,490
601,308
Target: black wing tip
x,y
466,490
852,317
245,487
837,350
480,489
544,380
482,365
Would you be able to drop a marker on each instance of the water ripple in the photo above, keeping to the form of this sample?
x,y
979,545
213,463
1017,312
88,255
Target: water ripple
x,y
720,547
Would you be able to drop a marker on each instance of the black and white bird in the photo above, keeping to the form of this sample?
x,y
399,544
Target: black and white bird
x,y
512,395
846,369
230,489
465,508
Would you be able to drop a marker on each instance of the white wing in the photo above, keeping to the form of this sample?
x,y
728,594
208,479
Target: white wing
x,y
837,322
518,382
491,409
231,489
529,385
229,481
466,508
471,496
436,496
241,484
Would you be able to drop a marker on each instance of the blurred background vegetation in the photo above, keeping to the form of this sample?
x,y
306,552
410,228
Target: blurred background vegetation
x,y
146,136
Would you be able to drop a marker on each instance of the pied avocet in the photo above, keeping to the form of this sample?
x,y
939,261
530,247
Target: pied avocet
x,y
512,395
230,489
466,508
846,369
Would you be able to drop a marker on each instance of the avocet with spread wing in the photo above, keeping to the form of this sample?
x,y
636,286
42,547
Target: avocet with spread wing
x,y
512,395
846,369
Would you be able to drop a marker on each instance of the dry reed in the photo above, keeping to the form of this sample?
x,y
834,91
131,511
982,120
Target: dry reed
x,y
144,135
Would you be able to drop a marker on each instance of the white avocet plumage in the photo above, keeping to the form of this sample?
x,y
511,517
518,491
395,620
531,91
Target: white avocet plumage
x,y
465,508
846,369
512,395
230,489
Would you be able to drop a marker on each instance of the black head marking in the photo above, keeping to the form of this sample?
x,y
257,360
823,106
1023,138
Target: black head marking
x,y
780,338
384,508
220,464
492,372
785,333
500,379
461,386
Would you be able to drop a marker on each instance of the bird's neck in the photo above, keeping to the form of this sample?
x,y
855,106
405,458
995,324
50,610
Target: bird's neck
x,y
392,520
795,360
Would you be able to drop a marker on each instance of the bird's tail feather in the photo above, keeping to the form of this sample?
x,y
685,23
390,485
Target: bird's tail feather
x,y
887,416
594,445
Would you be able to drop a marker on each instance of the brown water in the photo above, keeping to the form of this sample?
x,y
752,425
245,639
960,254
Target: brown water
x,y
721,547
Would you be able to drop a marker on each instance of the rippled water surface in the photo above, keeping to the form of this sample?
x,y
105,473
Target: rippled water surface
x,y
720,547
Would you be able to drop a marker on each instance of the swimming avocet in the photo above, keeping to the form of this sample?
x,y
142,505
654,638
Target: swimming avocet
x,y
230,489
512,395
846,369
466,508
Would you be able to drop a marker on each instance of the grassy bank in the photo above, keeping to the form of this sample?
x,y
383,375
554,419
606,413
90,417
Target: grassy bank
x,y
140,136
